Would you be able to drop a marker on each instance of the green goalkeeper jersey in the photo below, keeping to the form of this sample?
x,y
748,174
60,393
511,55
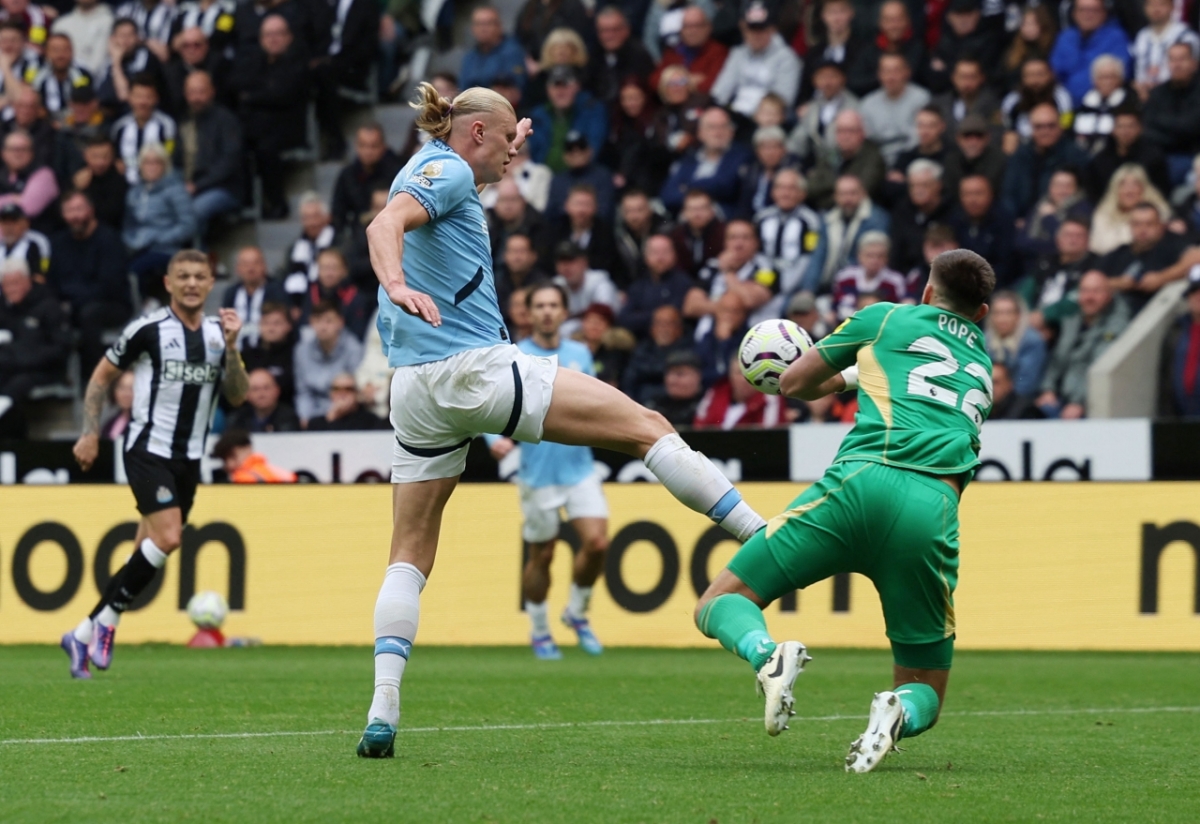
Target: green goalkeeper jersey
x,y
925,387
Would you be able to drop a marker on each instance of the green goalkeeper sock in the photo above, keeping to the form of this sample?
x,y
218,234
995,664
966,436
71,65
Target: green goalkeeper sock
x,y
738,624
920,704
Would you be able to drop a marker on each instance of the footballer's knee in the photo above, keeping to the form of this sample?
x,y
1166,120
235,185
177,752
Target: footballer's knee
x,y
541,554
652,428
596,544
167,538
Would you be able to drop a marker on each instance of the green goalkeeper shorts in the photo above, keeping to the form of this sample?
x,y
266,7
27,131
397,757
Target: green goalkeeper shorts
x,y
896,527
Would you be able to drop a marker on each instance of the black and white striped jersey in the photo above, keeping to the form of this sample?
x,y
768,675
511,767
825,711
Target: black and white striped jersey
x,y
789,240
131,137
32,247
153,23
177,374
56,93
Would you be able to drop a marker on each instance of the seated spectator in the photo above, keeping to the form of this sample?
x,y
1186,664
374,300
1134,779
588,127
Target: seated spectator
x,y
158,218
790,234
22,181
802,310
700,233
661,283
538,19
193,53
923,206
637,221
938,238
837,42
965,34
518,268
128,56
1135,268
1033,41
245,466
849,154
19,242
1052,286
635,151
678,118
968,95
813,132
770,156
897,35
583,226
931,145
1094,118
1126,144
374,374
330,352
211,149
357,249
263,411
144,124
1064,198
584,286
1172,113
1187,213
1181,355
345,413
343,62
27,113
736,288
580,169
1083,339
316,235
762,64
374,166
568,109
84,119
1093,34
643,378
120,397
31,18
984,227
493,54
333,286
610,346
696,51
1007,405
620,55
34,343
88,26
1014,343
275,350
20,62
714,166
853,215
59,76
732,402
870,276
153,19
889,113
1031,165
532,179
272,85
976,154
1110,222
1037,87
252,291
1151,44
682,389
562,48
88,274
102,182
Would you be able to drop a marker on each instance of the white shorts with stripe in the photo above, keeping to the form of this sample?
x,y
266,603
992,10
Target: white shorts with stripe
x,y
540,506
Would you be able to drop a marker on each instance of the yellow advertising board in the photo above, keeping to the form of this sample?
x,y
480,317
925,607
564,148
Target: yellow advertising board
x,y
1044,566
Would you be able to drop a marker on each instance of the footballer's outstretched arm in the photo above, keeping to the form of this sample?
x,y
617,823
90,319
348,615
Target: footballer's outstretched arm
x,y
810,378
385,243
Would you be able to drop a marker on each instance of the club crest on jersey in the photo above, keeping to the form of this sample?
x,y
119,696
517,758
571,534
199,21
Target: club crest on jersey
x,y
163,496
433,169
194,373
215,345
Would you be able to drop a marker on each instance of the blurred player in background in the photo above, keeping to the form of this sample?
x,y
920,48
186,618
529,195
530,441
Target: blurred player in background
x,y
553,477
888,506
180,358
458,376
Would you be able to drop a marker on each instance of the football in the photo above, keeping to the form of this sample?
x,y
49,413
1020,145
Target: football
x,y
768,349
207,609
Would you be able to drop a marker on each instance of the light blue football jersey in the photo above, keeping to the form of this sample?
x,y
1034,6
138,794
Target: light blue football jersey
x,y
449,259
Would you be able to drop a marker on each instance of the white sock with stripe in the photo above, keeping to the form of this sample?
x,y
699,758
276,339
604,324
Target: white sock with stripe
x,y
397,611
539,618
700,486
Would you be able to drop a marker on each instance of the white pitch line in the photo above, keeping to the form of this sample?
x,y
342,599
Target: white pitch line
x,y
564,725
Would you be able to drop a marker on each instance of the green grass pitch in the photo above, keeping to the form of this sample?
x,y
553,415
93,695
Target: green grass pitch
x,y
492,735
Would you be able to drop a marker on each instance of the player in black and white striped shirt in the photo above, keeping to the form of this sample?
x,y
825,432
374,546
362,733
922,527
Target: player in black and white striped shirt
x,y
179,359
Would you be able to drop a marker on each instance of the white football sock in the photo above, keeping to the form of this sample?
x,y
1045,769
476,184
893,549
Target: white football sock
x,y
109,617
539,618
578,600
83,632
700,486
397,611
153,554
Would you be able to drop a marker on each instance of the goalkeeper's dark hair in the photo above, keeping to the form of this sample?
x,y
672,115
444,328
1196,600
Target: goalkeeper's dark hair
x,y
963,280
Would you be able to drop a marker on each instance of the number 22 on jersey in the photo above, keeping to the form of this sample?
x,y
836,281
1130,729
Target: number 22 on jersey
x,y
946,364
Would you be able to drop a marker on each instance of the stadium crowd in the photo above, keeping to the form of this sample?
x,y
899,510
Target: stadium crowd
x,y
696,166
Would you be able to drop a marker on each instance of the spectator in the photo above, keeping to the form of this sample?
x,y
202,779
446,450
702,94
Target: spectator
x,y
120,396
897,35
1052,288
732,402
374,166
610,347
563,47
316,235
1029,169
736,288
19,242
263,410
101,181
585,228
214,19
986,228
1126,144
88,26
700,234
1111,222
1035,37
714,166
762,64
1007,405
696,51
1151,44
1172,114
976,153
344,63
637,221
532,179
643,378
273,88
158,218
153,21
511,215
1182,354
127,57
193,54
790,233
275,350
1094,118
28,114
569,109
931,145
1135,268
518,269
836,43
580,169
34,342
635,150
968,95
662,28
245,466
538,18
88,274
938,238
84,119
662,283
59,76
682,389
965,34
618,57
333,286
813,133
1037,87
345,413
211,148
1083,339
374,374
145,124
1077,46
22,181
678,117
853,214
32,19
1187,214
252,291
1013,343
870,276
889,113
20,62
1063,199
494,53
850,154
923,206
330,352
520,319
802,310
355,247
770,157
584,286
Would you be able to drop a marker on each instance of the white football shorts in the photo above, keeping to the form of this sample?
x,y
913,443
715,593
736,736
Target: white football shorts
x,y
540,506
